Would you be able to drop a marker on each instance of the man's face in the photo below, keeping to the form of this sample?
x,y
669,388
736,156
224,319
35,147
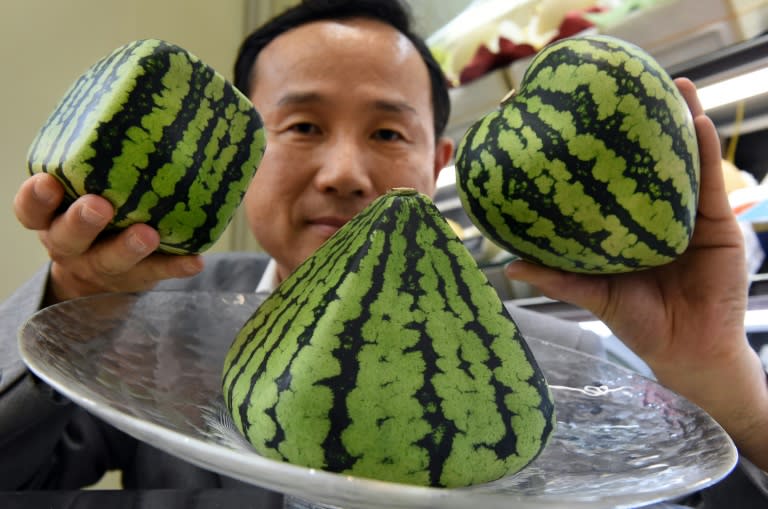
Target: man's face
x,y
348,113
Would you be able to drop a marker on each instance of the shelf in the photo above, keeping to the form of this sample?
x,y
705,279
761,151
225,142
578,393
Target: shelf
x,y
726,63
471,101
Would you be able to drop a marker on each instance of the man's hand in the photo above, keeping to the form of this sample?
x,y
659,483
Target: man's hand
x,y
83,263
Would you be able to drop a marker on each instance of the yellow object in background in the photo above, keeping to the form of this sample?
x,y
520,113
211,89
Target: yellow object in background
x,y
545,23
734,177
457,228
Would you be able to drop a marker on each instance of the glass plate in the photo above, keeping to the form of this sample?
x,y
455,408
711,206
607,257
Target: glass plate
x,y
150,364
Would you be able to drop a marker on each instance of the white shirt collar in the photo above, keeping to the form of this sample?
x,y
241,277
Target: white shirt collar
x,y
268,281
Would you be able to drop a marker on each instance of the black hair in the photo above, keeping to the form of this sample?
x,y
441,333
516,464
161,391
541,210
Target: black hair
x,y
391,12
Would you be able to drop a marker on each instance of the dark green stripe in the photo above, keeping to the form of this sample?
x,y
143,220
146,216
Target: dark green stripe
x,y
239,360
439,441
266,324
108,144
106,78
566,225
82,97
269,325
217,171
629,85
191,105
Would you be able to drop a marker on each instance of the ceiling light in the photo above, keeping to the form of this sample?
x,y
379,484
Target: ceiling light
x,y
734,89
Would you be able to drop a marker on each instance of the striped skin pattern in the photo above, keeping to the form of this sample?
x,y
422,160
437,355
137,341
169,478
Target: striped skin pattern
x,y
388,355
162,136
591,167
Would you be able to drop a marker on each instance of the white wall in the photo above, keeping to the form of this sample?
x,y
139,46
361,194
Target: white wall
x,y
430,15
46,44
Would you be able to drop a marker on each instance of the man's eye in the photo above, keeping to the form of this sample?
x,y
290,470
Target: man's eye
x,y
304,128
387,135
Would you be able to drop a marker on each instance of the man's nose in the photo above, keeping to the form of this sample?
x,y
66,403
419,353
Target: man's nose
x,y
343,170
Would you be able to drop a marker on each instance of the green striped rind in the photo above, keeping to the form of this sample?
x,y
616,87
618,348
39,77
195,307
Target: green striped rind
x,y
591,167
388,355
161,135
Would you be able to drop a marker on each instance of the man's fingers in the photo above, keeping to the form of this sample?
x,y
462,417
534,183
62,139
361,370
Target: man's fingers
x,y
688,91
37,200
73,232
121,253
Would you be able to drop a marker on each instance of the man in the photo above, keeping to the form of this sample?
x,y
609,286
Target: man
x,y
353,106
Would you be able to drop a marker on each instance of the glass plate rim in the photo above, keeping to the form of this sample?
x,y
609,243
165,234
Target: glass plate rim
x,y
160,436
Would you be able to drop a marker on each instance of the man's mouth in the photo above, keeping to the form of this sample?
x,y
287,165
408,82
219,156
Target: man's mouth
x,y
336,221
328,225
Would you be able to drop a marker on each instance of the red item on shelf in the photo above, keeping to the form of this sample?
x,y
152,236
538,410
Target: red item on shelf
x,y
575,22
485,61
